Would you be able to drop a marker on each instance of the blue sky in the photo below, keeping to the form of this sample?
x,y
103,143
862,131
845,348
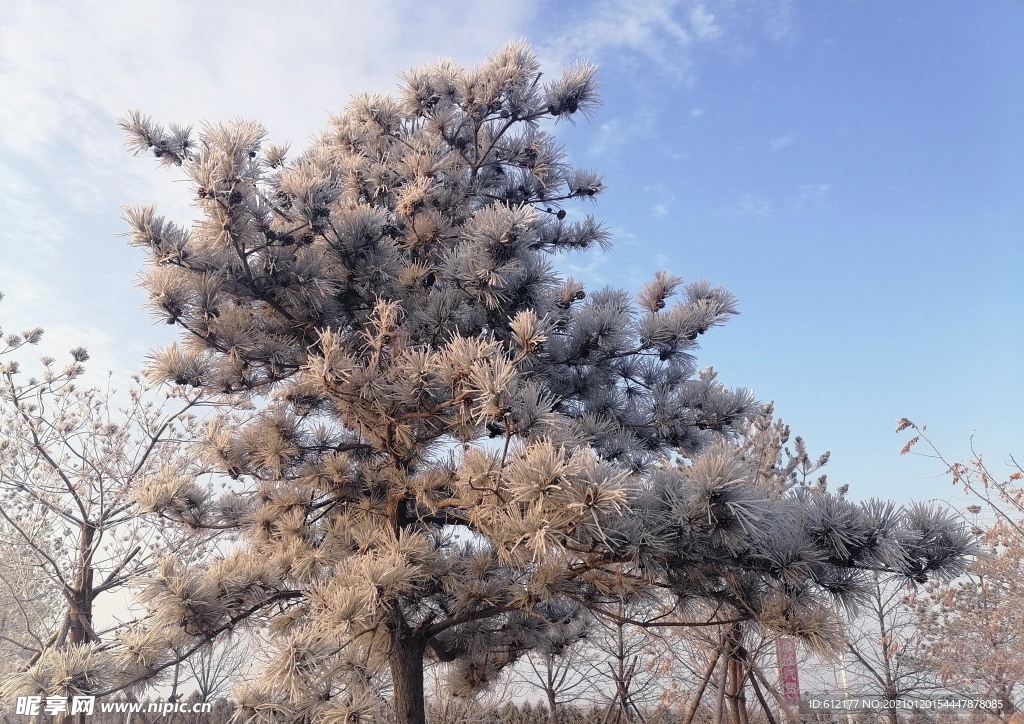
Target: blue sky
x,y
851,170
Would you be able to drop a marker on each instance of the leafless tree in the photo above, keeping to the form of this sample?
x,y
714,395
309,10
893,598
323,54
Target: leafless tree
x,y
216,668
972,629
885,646
562,669
72,469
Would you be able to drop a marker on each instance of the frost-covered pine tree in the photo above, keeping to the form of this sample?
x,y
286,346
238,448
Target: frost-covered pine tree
x,y
457,448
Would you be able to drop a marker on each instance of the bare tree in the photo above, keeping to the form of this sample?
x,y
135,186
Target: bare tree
x,y
1001,492
216,668
972,626
71,469
886,646
562,665
973,629
564,676
622,677
30,610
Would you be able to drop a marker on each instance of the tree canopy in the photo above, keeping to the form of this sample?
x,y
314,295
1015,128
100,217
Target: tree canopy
x,y
456,450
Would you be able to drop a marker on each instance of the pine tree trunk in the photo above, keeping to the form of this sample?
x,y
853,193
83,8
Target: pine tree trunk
x,y
407,676
737,677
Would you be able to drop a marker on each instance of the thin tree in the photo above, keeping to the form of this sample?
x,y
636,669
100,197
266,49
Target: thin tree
x,y
1001,492
886,647
972,626
72,468
218,667
561,666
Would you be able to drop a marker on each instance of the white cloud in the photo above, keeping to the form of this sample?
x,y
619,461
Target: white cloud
x,y
750,205
31,227
179,60
617,133
662,197
587,266
69,70
671,37
663,33
609,135
759,206
782,142
811,196
696,113
703,23
779,21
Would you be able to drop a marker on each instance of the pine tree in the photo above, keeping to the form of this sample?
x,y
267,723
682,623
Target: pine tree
x,y
454,441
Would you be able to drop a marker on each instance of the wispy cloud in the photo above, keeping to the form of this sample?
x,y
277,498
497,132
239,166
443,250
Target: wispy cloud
x,y
779,19
27,216
672,37
588,267
782,142
811,196
64,173
618,133
750,205
662,33
703,24
662,197
756,205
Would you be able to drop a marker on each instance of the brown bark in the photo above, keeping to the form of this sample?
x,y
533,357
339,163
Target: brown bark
x,y
80,630
720,684
738,697
80,598
760,697
407,674
691,708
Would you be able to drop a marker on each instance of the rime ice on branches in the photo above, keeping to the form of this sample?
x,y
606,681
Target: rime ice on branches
x,y
388,299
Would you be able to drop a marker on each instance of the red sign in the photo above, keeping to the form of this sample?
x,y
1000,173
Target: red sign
x,y
789,675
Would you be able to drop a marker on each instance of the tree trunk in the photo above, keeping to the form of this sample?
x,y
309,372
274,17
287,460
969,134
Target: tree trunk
x,y
691,708
760,697
407,675
891,714
719,713
738,675
80,603
552,700
788,713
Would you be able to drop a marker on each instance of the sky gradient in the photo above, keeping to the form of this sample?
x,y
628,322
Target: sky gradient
x,y
853,172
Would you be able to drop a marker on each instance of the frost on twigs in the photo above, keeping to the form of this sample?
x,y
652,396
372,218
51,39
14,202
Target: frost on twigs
x,y
77,466
453,450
